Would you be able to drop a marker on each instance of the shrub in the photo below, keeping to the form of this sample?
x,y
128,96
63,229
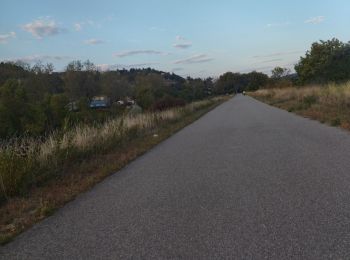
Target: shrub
x,y
168,102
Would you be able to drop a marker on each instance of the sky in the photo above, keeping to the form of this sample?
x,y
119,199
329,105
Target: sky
x,y
188,37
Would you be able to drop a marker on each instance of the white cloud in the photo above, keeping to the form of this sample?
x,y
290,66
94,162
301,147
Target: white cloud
x,y
5,37
315,20
138,52
182,43
199,58
180,38
277,54
78,27
94,41
42,27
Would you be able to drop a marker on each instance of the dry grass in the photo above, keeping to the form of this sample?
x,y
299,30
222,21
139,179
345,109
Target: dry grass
x,y
329,104
26,162
53,171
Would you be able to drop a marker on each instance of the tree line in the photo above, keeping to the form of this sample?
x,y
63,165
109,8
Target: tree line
x,y
34,99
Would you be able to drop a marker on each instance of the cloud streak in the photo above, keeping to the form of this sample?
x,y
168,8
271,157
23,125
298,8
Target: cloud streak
x,y
138,52
199,58
42,27
4,38
39,57
269,61
277,54
182,43
177,69
315,20
94,41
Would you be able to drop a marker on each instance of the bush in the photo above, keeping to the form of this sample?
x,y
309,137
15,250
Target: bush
x,y
168,102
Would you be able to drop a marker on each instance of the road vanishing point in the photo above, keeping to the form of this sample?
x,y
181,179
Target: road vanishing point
x,y
245,181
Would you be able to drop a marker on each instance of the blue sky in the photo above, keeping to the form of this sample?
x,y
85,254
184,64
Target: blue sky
x,y
196,38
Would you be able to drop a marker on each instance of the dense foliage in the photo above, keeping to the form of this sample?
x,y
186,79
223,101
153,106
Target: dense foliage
x,y
326,61
236,82
36,100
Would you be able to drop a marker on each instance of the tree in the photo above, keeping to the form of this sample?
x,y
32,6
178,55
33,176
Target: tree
x,y
236,82
144,96
79,83
148,88
13,108
9,70
279,72
115,85
319,63
256,80
57,110
228,83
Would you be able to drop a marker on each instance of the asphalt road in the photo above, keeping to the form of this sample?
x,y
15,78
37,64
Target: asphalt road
x,y
246,181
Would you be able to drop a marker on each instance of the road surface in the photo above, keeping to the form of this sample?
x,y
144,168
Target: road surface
x,y
246,181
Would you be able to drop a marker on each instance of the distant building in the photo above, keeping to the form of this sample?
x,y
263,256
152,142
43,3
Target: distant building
x,y
100,102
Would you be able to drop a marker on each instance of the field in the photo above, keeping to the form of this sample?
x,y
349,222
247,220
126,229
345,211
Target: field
x,y
328,104
39,175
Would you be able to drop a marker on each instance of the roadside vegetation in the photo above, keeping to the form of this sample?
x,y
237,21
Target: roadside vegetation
x,y
320,89
39,175
62,132
328,104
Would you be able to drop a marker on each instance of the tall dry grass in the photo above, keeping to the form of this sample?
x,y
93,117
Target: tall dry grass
x,y
329,103
25,162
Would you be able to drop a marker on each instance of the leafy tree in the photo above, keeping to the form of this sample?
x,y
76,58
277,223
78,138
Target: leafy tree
x,y
80,83
9,70
13,108
256,80
322,62
145,96
148,88
236,82
57,110
115,85
337,67
279,72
